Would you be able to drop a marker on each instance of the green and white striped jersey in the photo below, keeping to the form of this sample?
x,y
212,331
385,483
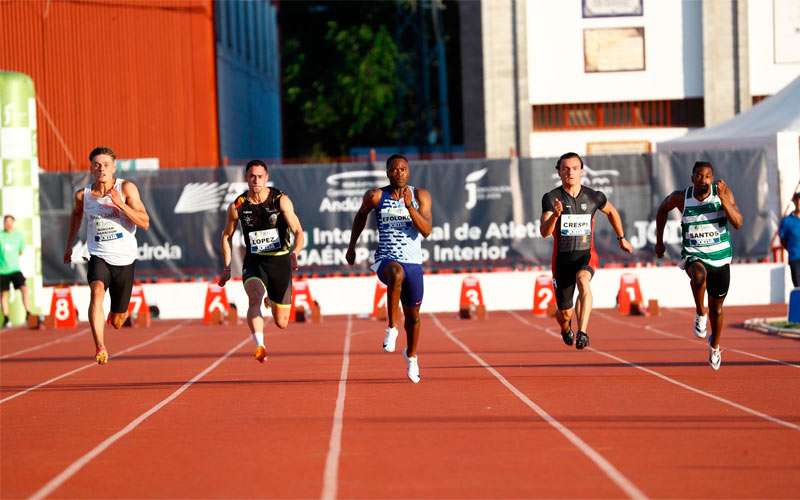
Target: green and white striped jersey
x,y
704,225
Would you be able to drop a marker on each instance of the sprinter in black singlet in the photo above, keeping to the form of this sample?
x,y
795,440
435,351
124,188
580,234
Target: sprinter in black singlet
x,y
568,214
267,218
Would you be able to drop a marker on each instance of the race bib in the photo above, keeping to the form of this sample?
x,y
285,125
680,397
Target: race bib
x,y
106,230
395,217
265,240
576,224
703,235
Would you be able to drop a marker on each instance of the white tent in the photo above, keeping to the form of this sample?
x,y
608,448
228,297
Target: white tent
x,y
773,125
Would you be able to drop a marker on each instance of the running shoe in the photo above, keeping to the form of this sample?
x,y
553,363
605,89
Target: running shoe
x,y
390,339
102,356
581,340
6,322
568,337
714,357
413,367
261,353
700,322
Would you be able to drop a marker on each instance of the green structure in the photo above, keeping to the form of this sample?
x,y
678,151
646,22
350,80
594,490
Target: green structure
x,y
19,176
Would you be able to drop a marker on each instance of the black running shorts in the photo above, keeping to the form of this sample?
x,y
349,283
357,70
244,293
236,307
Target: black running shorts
x,y
718,279
567,266
7,279
275,271
118,280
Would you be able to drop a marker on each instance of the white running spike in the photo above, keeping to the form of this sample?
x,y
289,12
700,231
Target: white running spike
x,y
390,339
714,357
413,367
700,322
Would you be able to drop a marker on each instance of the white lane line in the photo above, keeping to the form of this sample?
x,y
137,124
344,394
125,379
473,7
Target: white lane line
x,y
671,380
330,478
84,367
604,465
46,344
687,339
77,465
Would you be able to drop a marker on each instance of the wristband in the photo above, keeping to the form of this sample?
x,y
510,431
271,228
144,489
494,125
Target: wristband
x,y
620,238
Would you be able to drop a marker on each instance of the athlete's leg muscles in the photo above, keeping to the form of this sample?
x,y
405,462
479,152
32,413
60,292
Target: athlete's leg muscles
x,y
697,276
118,319
564,292
412,325
280,312
25,300
255,290
584,309
96,314
4,302
564,284
120,287
718,283
392,274
119,306
716,318
279,291
564,318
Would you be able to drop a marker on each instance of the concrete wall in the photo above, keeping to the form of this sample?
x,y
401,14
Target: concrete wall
x,y
554,144
673,45
750,284
497,117
673,67
766,76
726,76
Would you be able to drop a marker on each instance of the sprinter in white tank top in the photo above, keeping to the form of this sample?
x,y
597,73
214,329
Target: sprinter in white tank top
x,y
113,210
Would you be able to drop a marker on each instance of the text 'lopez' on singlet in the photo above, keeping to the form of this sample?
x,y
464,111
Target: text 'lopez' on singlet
x,y
110,235
704,225
398,237
263,224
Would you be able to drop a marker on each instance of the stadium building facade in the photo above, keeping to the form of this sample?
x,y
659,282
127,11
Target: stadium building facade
x,y
599,77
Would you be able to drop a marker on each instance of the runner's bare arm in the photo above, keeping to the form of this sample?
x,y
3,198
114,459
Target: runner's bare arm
x,y
729,204
368,203
74,224
616,222
226,243
132,205
287,208
550,219
421,217
674,200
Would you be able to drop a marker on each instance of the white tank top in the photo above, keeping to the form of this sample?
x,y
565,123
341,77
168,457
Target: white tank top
x,y
110,235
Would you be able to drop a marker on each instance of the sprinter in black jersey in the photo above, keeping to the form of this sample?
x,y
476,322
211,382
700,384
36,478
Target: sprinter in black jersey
x,y
267,218
568,214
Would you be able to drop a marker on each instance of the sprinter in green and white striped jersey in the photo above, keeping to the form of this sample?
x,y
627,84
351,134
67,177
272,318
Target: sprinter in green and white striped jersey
x,y
707,208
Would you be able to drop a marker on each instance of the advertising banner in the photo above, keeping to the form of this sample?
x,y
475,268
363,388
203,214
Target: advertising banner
x,y
485,214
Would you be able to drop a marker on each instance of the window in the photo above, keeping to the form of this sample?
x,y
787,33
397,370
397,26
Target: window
x,y
630,114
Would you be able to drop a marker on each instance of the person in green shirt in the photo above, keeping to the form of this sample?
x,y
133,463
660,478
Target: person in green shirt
x,y
11,247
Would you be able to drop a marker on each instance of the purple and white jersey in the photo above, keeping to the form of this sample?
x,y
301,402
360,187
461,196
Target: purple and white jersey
x,y
398,237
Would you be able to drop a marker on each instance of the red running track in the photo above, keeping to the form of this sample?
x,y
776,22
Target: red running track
x,y
504,410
